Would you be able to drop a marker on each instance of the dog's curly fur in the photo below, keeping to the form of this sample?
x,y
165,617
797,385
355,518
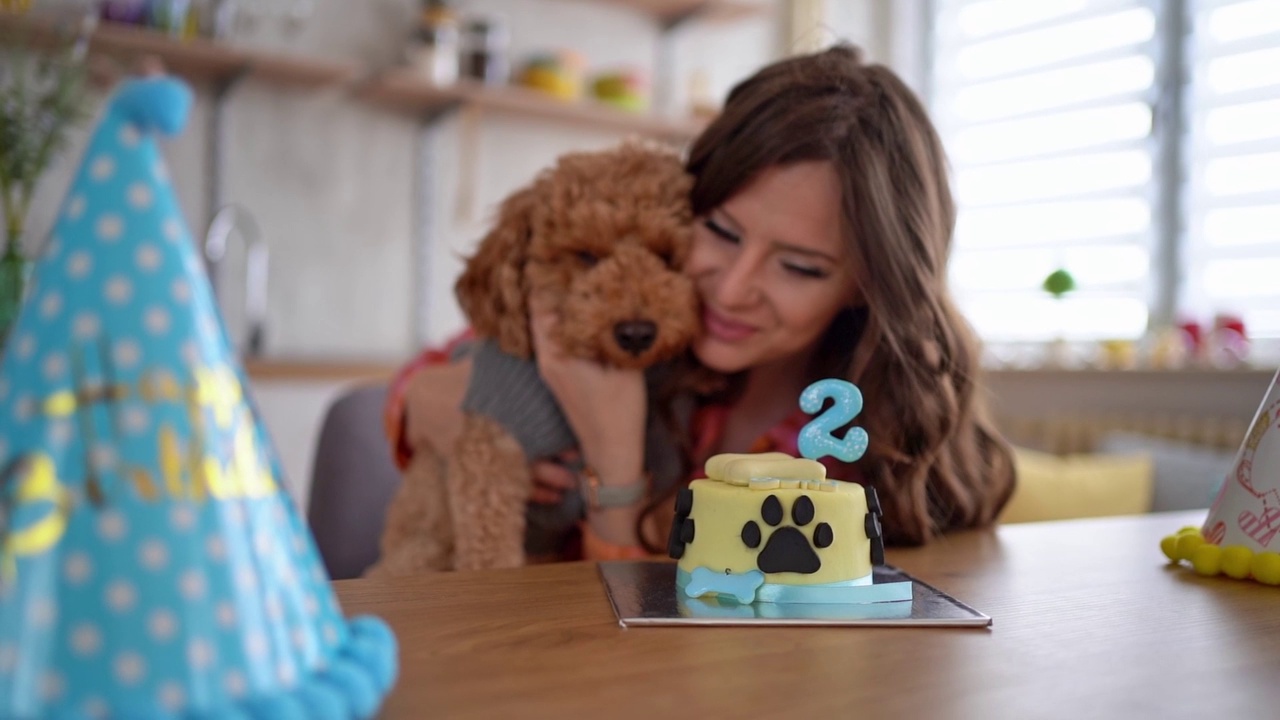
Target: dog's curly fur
x,y
603,235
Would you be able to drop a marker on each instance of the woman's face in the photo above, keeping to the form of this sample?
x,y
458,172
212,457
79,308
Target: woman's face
x,y
771,268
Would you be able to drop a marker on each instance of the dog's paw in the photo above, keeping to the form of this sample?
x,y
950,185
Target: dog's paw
x,y
787,548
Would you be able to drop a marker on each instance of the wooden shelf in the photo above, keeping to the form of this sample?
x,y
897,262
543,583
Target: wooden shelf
x,y
402,91
319,369
201,60
198,60
670,12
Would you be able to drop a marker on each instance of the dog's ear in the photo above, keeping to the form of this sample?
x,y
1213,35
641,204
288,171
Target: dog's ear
x,y
492,290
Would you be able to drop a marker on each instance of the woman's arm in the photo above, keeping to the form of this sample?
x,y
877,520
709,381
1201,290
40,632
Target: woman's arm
x,y
606,408
433,405
424,400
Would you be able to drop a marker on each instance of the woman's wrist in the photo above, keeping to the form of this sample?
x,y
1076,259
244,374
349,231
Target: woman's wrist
x,y
613,500
616,526
612,474
616,457
599,494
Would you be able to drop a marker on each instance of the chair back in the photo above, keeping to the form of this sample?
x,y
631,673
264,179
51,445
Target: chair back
x,y
353,481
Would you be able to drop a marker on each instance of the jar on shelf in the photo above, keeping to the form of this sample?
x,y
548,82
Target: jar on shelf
x,y
170,16
485,43
218,18
433,49
133,12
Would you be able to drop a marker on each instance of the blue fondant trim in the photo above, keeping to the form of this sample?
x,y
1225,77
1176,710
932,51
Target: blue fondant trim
x,y
827,611
834,594
727,609
703,581
713,607
352,687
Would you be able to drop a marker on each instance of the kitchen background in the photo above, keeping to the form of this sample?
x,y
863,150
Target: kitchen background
x,y
334,180
363,189
347,172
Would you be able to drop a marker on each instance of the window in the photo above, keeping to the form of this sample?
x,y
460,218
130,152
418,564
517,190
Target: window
x,y
1231,245
1046,112
1133,143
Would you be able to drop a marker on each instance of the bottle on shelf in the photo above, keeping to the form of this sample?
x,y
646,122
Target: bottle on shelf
x,y
218,18
170,16
485,42
132,12
434,47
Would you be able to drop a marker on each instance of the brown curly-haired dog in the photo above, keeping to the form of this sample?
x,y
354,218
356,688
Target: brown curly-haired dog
x,y
603,235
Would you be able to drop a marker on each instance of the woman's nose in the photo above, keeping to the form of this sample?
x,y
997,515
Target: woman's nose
x,y
739,281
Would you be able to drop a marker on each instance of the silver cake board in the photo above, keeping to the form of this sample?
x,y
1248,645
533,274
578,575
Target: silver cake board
x,y
644,593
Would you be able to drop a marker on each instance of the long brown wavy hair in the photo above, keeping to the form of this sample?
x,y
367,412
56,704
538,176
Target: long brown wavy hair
x,y
935,458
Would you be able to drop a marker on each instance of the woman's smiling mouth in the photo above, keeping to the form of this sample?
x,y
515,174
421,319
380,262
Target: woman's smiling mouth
x,y
725,329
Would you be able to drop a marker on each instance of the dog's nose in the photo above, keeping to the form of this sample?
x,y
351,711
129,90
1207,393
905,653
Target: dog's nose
x,y
635,336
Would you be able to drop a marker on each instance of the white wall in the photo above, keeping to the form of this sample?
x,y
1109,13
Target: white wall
x,y
892,32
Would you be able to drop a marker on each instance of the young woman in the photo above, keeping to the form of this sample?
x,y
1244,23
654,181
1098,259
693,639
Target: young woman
x,y
825,222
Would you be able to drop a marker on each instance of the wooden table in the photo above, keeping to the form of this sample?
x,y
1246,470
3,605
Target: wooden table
x,y
1089,621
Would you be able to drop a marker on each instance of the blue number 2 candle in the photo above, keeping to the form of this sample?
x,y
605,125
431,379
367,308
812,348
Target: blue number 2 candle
x,y
817,439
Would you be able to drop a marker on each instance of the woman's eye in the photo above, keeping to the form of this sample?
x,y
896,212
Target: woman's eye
x,y
586,257
805,270
719,230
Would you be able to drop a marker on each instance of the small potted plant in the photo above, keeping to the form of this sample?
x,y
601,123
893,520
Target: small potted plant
x,y
1058,284
42,97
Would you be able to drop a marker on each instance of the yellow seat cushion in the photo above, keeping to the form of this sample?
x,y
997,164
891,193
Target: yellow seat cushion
x,y
1053,487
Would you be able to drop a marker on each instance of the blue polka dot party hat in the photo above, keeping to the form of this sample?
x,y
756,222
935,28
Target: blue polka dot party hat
x,y
151,566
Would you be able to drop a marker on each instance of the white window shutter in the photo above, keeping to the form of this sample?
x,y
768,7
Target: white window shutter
x,y
1045,110
1231,246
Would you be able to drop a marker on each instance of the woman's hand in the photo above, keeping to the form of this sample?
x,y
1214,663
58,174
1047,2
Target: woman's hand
x,y
604,406
551,480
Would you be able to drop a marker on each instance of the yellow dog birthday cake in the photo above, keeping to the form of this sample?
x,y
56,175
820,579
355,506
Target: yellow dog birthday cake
x,y
772,528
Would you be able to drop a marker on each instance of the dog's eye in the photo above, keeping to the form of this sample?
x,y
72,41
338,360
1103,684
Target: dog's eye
x,y
586,257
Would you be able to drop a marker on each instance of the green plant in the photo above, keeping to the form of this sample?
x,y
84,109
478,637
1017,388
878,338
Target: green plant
x,y
42,97
1058,283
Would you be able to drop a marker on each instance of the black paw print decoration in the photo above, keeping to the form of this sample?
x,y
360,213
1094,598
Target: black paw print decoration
x,y
682,528
787,549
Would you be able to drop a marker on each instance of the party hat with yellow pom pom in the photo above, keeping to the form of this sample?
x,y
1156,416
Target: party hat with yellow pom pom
x,y
1241,536
150,566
